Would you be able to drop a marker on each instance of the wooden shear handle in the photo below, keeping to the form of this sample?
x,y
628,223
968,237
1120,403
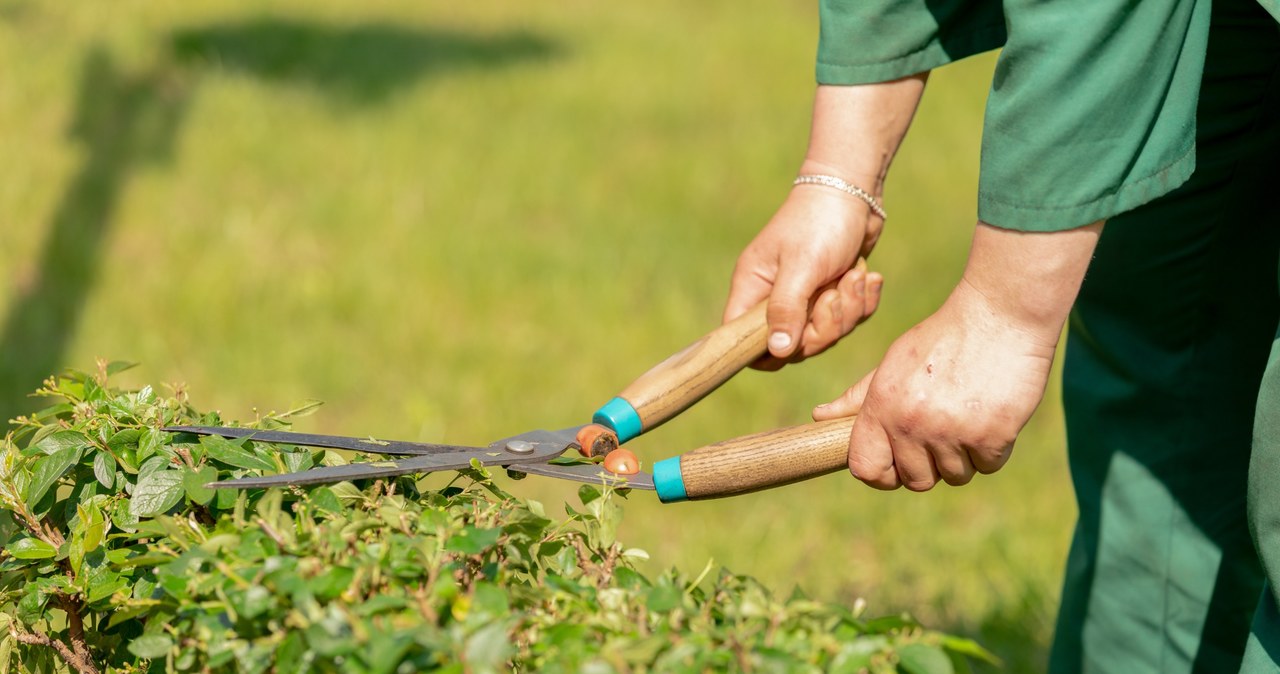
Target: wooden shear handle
x,y
735,466
755,462
671,386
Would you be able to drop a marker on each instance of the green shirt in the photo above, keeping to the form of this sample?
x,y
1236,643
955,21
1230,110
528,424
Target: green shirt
x,y
1092,107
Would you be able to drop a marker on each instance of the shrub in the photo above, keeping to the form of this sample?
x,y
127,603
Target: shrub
x,y
117,557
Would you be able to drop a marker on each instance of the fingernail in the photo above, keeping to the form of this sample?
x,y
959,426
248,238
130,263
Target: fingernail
x,y
779,341
860,288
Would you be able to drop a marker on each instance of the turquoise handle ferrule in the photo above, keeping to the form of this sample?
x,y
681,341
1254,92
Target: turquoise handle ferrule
x,y
669,481
621,417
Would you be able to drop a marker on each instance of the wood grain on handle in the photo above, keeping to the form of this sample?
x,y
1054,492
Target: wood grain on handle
x,y
683,379
764,460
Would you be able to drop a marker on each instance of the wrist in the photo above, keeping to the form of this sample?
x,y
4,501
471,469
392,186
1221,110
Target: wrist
x,y
869,177
857,129
1031,278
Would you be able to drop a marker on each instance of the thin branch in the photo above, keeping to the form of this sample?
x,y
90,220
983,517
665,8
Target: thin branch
x,y
82,665
271,532
75,625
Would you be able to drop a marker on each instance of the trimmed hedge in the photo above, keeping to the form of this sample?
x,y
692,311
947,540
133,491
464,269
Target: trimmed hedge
x,y
117,558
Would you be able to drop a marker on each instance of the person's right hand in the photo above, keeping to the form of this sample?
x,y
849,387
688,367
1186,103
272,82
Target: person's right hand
x,y
807,262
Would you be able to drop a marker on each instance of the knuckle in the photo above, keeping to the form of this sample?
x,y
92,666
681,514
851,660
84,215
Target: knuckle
x,y
956,479
865,469
954,469
987,461
919,485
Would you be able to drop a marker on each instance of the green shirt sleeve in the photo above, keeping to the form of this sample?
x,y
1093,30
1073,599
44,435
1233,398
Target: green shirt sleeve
x,y
865,41
1092,108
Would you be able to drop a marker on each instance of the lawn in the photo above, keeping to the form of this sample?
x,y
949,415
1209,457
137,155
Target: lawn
x,y
455,221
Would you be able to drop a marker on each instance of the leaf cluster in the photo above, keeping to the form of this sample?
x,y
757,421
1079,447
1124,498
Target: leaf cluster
x,y
117,558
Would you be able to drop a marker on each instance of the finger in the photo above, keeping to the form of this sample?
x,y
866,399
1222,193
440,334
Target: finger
x,y
746,290
838,311
870,239
915,467
848,404
986,461
870,455
914,464
875,283
788,309
826,323
853,294
954,466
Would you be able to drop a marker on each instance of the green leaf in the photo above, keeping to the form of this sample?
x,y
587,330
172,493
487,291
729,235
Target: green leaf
x,y
103,582
123,439
290,653
150,442
588,493
118,366
151,646
194,482
473,540
6,651
31,548
296,460
345,491
156,493
104,468
233,454
60,440
969,648
331,583
303,409
122,515
488,603
325,500
93,525
253,602
31,605
663,598
48,470
489,648
919,658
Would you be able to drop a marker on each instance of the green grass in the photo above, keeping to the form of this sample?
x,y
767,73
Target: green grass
x,y
453,221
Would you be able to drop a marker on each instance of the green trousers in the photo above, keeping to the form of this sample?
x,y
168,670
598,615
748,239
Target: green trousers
x,y
1263,654
1166,351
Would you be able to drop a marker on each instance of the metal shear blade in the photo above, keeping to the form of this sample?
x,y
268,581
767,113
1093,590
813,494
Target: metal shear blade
x,y
525,453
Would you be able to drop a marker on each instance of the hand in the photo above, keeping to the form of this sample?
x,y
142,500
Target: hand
x,y
806,261
951,395
948,400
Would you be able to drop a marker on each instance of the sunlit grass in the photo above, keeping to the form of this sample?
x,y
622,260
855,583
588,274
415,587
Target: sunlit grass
x,y
500,234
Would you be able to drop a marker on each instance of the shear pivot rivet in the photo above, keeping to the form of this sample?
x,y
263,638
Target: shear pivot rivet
x,y
520,447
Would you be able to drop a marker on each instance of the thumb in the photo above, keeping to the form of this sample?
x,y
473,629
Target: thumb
x,y
848,404
788,309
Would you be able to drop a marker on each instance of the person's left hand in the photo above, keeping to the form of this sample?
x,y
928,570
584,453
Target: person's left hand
x,y
948,399
951,394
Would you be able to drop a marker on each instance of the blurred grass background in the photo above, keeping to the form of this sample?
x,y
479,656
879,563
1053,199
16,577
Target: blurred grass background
x,y
454,221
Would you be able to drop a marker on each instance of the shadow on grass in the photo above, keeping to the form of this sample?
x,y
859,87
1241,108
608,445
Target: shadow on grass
x,y
125,119
121,121
360,64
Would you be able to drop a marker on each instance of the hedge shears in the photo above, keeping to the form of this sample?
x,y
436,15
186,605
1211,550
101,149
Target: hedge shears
x,y
739,465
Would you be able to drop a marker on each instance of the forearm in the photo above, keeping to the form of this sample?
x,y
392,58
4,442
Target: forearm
x,y
1031,277
857,129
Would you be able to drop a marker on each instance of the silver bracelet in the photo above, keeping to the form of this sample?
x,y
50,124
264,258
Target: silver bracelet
x,y
832,181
